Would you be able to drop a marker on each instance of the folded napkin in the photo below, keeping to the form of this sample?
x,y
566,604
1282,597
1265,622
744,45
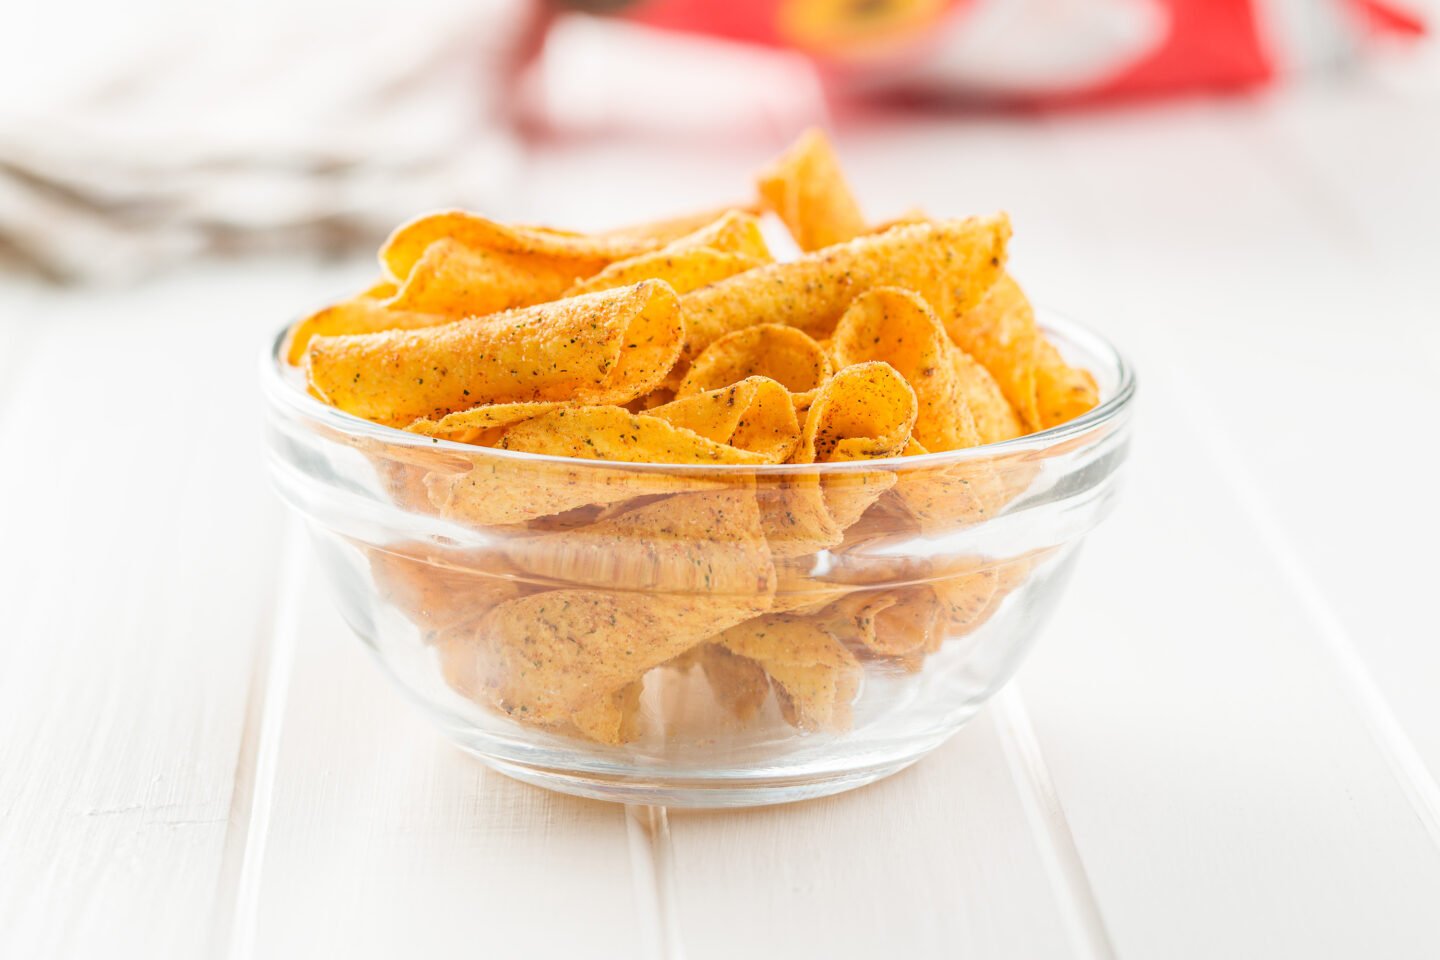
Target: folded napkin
x,y
316,135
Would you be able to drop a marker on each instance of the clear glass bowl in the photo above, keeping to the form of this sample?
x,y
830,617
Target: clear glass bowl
x,y
697,635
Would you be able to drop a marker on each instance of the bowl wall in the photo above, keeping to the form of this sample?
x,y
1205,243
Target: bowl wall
x,y
698,636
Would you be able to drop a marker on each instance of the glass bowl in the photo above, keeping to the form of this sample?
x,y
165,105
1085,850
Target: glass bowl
x,y
697,635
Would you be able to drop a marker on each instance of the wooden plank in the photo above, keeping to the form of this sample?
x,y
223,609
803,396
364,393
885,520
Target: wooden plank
x,y
938,860
381,839
133,517
1224,790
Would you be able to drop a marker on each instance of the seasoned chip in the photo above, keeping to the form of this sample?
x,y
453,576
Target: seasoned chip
x,y
602,348
613,718
685,270
735,231
815,678
496,492
435,591
806,189
864,412
738,683
363,314
730,245
942,497
755,415
549,655
995,419
706,542
614,433
453,281
904,623
784,354
950,263
662,232
481,425
1062,392
408,244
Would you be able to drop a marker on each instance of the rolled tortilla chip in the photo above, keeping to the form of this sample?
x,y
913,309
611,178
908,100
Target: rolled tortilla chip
x,y
730,245
614,433
806,189
738,683
435,591
950,263
864,412
408,243
363,314
662,232
452,280
897,327
613,718
702,543
502,492
603,348
1062,392
1000,332
784,354
905,623
481,425
549,655
755,414
814,677
684,270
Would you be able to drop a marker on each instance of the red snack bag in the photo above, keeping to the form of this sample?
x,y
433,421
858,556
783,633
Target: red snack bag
x,y
1035,50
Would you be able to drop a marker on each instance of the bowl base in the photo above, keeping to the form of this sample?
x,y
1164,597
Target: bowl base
x,y
694,793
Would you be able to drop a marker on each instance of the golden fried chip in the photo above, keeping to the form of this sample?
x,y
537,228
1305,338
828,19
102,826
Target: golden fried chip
x,y
950,263
614,433
966,598
738,683
452,280
1062,392
409,242
435,591
815,678
942,497
784,354
602,348
363,314
662,232
1000,332
481,425
685,270
899,328
498,492
995,420
735,231
755,415
730,245
864,412
806,188
707,542
905,623
612,719
550,655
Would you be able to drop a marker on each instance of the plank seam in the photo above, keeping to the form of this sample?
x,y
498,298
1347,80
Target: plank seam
x,y
653,874
1079,909
233,933
1385,729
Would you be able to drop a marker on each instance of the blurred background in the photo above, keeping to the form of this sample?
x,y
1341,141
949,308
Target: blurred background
x,y
141,136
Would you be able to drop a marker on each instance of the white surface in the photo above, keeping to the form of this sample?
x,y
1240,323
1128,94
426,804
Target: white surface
x,y
1226,746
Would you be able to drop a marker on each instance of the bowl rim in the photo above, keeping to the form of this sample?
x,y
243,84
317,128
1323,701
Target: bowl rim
x,y
281,390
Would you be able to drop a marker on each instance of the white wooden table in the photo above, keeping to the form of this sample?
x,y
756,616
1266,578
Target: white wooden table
x,y
1226,745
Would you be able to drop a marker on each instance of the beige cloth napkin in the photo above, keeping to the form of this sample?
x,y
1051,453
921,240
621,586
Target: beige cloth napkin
x,y
319,136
